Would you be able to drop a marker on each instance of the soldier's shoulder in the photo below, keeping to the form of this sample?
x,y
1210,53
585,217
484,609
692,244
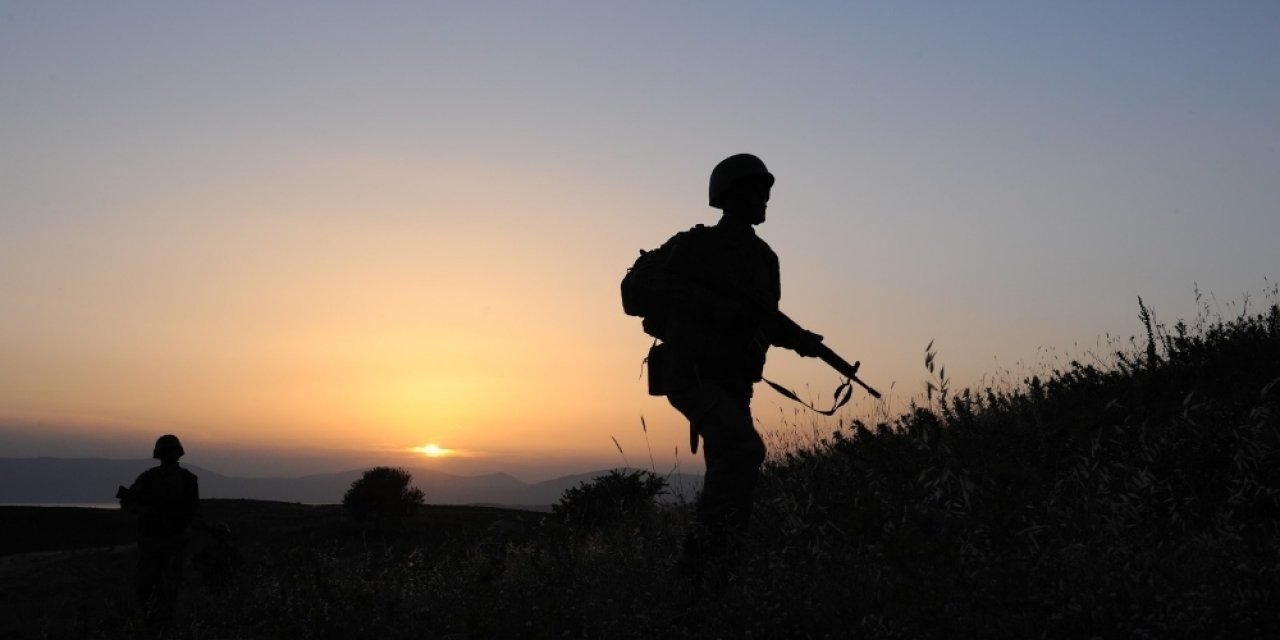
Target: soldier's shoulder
x,y
694,236
185,477
148,479
169,472
764,246
685,238
150,473
696,230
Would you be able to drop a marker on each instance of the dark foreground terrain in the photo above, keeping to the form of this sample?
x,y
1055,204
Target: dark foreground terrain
x,y
67,572
1134,497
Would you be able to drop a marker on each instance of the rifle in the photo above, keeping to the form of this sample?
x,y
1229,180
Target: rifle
x,y
821,351
845,369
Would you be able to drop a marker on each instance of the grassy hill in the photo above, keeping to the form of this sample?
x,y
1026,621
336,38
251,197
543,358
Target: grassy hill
x,y
1136,498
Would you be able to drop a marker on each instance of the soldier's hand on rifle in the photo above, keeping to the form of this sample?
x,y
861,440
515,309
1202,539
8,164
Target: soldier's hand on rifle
x,y
809,345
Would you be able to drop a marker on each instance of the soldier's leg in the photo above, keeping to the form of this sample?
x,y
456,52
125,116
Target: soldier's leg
x,y
733,451
175,559
149,574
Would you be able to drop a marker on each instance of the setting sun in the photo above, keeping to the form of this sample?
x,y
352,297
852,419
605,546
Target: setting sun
x,y
433,451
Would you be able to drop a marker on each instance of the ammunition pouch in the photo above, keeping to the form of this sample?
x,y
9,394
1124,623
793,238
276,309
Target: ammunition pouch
x,y
656,363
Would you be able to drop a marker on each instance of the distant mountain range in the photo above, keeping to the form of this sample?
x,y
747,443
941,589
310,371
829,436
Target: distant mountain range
x,y
94,480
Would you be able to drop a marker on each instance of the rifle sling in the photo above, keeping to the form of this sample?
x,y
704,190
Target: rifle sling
x,y
843,394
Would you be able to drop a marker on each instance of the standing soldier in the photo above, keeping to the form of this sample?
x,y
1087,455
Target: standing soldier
x,y
165,499
711,295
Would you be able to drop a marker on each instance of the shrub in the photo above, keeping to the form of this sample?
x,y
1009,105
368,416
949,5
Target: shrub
x,y
609,499
381,495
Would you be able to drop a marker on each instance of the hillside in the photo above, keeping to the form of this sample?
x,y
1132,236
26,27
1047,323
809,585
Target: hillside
x,y
1136,498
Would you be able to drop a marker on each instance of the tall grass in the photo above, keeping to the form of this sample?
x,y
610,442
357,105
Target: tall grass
x,y
1136,500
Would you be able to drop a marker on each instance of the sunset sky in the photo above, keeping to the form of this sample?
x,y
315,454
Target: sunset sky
x,y
316,236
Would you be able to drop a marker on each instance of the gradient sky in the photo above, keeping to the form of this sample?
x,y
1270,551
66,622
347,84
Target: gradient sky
x,y
311,236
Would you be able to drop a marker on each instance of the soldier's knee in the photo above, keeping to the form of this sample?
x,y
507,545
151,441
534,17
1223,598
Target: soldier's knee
x,y
758,450
748,452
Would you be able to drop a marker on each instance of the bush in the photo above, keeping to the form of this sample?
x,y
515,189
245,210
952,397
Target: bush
x,y
382,494
609,499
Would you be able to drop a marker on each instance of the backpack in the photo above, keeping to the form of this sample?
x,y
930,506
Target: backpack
x,y
645,289
646,294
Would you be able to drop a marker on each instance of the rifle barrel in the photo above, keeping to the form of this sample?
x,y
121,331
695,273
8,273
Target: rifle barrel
x,y
845,369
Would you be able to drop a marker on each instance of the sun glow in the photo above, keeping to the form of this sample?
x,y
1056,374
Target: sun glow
x,y
433,450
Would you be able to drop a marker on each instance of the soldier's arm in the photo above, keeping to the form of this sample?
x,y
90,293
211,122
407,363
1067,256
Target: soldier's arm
x,y
134,499
809,344
788,334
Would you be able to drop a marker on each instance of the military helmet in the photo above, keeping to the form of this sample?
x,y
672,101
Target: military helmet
x,y
167,446
732,170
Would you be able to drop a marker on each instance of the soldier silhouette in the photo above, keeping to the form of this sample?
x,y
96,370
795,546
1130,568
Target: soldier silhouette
x,y
711,294
166,499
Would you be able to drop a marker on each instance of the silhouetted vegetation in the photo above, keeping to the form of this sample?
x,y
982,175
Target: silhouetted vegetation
x,y
382,495
609,499
1134,496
